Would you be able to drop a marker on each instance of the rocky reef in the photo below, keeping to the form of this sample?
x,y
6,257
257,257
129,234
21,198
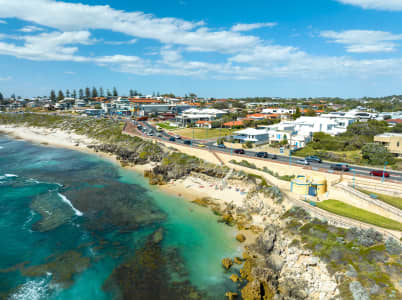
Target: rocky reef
x,y
152,273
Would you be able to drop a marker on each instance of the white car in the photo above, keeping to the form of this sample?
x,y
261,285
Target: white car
x,y
302,162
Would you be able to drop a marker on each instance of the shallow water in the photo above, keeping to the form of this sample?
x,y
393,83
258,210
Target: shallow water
x,y
68,220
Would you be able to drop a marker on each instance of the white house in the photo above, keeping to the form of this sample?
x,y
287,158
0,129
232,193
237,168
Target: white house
x,y
278,110
251,135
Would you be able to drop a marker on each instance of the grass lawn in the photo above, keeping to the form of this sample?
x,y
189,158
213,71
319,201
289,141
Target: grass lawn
x,y
391,200
346,210
166,126
202,133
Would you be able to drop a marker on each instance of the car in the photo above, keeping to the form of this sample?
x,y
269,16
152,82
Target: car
x,y
172,139
177,137
273,156
302,162
262,154
339,167
379,173
201,145
159,135
187,142
313,158
221,146
239,151
150,133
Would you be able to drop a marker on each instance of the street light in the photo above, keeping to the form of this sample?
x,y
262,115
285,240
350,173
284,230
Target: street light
x,y
383,173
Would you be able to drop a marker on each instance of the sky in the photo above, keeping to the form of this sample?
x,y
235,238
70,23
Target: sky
x,y
225,48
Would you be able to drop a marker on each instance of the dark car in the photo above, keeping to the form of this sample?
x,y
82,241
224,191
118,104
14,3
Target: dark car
x,y
339,167
187,142
379,173
273,156
313,158
239,151
262,154
172,139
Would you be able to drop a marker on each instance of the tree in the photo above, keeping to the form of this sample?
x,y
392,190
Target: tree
x,y
52,96
81,94
131,93
74,94
68,93
297,114
94,92
115,93
87,92
311,113
12,96
60,95
108,93
101,93
397,128
377,154
1,97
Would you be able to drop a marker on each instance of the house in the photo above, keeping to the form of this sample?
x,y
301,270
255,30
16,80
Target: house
x,y
203,124
391,141
251,135
193,115
278,110
233,124
393,122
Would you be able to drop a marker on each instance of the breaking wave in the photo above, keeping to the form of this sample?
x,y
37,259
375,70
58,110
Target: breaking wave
x,y
64,198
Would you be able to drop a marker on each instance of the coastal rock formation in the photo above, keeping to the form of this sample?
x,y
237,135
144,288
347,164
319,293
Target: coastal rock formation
x,y
240,237
227,263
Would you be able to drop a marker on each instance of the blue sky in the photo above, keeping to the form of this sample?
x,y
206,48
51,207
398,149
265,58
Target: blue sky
x,y
286,48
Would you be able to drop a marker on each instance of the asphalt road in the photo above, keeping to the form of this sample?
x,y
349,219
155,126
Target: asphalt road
x,y
325,165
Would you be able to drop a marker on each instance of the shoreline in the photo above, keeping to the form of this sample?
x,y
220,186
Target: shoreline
x,y
189,189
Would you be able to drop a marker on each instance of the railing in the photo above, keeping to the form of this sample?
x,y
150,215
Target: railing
x,y
367,198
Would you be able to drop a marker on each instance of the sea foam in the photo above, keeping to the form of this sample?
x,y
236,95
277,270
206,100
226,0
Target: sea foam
x,y
64,198
10,175
31,290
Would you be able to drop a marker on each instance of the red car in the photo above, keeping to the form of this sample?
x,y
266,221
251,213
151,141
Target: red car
x,y
239,151
379,173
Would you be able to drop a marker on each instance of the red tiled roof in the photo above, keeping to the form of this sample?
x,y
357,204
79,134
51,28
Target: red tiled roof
x,y
398,121
233,123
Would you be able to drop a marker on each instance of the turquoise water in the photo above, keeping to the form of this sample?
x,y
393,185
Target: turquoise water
x,y
71,224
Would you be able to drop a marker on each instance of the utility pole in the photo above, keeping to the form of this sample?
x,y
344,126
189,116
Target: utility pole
x,y
383,173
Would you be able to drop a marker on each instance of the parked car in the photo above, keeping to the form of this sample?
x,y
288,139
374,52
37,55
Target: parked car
x,y
221,146
313,158
177,137
201,145
302,162
272,156
379,173
262,154
239,151
339,167
187,142
172,139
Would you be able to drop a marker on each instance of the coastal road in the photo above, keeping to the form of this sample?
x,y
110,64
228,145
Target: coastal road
x,y
324,166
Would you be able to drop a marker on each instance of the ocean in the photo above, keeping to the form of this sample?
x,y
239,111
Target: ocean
x,y
77,226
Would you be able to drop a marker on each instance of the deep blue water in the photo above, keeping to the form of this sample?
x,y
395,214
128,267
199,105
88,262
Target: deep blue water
x,y
68,220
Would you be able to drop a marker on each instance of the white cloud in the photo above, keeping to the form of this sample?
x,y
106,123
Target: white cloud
x,y
3,22
31,28
75,17
69,73
364,41
391,5
248,27
129,42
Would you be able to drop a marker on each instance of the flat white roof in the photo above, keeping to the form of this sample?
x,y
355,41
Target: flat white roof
x,y
252,131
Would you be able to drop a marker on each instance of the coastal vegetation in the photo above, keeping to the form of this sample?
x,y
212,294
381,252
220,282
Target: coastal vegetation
x,y
366,263
245,163
353,212
391,200
204,133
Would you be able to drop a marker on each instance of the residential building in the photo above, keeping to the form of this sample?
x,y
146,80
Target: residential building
x,y
278,110
391,141
251,135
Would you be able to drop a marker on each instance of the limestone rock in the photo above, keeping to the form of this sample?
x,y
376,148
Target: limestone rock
x,y
234,277
238,260
227,263
240,237
231,295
